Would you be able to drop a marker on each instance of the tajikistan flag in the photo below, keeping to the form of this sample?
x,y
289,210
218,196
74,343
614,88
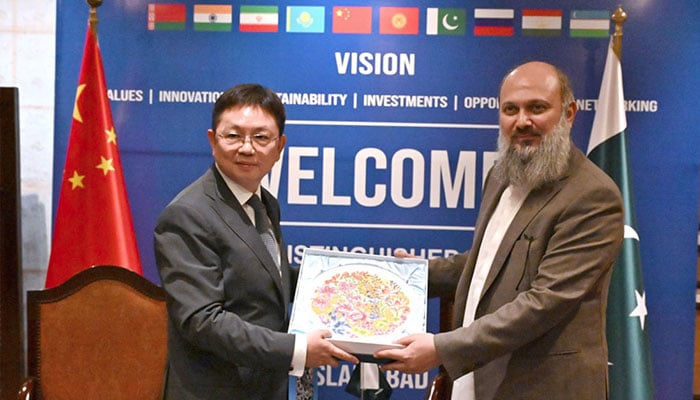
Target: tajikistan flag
x,y
627,332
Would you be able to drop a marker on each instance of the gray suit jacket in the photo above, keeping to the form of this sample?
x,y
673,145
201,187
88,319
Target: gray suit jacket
x,y
227,304
540,323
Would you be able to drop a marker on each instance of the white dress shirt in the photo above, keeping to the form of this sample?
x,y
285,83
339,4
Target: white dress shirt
x,y
508,205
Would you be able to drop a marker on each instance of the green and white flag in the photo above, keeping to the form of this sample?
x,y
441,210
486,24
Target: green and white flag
x,y
627,332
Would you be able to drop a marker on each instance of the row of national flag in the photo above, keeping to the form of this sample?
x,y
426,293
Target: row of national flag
x,y
392,20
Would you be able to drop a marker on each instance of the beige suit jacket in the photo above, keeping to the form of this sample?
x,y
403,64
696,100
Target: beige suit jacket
x,y
539,331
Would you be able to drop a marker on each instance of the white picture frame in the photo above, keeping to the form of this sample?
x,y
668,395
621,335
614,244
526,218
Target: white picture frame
x,y
366,301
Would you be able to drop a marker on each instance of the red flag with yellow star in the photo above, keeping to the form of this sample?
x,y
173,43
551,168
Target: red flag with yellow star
x,y
93,224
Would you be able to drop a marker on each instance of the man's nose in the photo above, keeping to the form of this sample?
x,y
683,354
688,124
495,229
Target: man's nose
x,y
523,119
247,145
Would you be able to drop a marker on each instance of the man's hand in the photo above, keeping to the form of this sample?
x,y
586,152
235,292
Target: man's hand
x,y
418,356
400,253
320,351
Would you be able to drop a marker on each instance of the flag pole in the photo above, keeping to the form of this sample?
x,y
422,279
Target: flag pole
x,y
619,16
93,14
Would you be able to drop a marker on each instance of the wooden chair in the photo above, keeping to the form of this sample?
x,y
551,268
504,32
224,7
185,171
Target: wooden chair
x,y
102,334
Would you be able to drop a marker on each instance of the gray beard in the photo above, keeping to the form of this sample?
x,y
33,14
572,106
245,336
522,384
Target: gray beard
x,y
531,167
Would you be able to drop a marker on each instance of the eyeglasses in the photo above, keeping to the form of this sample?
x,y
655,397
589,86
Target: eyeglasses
x,y
259,140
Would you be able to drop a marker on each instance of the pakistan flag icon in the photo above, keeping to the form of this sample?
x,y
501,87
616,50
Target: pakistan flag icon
x,y
446,21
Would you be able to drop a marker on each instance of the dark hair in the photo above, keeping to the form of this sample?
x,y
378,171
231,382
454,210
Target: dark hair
x,y
249,94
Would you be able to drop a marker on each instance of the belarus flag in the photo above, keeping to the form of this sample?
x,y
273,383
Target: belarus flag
x,y
259,19
166,17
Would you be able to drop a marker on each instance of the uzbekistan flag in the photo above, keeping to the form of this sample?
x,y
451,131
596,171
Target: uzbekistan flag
x,y
445,21
352,20
259,19
306,19
398,20
590,23
212,17
166,17
493,21
541,22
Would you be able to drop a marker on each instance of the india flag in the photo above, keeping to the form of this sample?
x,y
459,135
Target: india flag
x,y
212,17
590,23
541,22
259,19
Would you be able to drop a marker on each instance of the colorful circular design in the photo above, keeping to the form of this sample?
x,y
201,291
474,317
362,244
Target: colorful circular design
x,y
356,302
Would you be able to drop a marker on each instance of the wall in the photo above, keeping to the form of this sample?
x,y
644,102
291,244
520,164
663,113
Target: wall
x,y
28,51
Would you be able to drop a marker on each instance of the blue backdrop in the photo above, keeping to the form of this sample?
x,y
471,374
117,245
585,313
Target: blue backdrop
x,y
390,134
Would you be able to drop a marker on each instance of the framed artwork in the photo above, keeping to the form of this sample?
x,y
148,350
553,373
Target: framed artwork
x,y
366,301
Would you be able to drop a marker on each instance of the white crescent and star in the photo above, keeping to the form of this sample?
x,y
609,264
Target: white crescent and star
x,y
446,24
631,233
640,311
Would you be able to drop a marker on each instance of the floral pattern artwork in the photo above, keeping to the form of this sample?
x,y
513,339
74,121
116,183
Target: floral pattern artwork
x,y
360,303
360,296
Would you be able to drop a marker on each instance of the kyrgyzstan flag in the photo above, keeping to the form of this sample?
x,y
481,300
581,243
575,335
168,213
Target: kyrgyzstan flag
x,y
398,20
93,224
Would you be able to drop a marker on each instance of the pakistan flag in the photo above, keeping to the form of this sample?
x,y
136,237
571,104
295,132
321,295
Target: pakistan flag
x,y
627,332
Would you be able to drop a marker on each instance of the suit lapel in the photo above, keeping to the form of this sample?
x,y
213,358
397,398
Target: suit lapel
x,y
530,208
234,216
534,202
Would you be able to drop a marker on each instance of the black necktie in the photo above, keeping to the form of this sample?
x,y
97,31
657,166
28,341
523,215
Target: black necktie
x,y
304,385
264,228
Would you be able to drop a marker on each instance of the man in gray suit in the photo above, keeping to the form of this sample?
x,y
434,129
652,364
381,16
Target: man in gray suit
x,y
531,295
224,269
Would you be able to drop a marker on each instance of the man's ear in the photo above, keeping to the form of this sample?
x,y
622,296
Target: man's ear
x,y
571,110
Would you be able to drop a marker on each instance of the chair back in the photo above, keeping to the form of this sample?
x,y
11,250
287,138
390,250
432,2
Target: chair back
x,y
102,334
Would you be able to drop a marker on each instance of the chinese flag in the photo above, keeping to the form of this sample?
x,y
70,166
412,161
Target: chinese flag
x,y
352,20
398,20
93,223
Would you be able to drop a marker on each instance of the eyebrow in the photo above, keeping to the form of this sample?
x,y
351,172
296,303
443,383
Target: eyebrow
x,y
239,127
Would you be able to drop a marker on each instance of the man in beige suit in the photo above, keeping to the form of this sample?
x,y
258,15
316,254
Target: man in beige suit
x,y
530,297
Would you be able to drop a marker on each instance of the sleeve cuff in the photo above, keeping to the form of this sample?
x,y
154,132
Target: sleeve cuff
x,y
299,357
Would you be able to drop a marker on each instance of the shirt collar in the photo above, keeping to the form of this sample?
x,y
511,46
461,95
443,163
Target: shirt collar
x,y
239,192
